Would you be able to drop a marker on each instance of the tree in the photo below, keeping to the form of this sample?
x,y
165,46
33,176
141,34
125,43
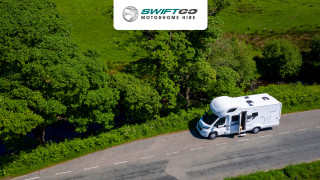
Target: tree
x,y
160,66
281,59
41,67
138,100
202,76
310,70
174,60
235,55
226,85
216,6
315,49
170,66
16,119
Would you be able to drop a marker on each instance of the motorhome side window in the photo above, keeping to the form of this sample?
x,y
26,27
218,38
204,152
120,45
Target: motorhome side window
x,y
235,119
231,110
220,122
254,115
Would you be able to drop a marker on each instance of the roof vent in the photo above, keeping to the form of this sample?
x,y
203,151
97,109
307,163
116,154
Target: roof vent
x,y
249,101
246,97
265,98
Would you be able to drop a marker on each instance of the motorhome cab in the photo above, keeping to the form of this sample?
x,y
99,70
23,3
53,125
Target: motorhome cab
x,y
229,115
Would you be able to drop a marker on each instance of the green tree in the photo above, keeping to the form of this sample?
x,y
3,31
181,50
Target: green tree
x,y
315,49
216,6
16,119
171,65
281,59
138,100
235,55
226,85
41,67
174,60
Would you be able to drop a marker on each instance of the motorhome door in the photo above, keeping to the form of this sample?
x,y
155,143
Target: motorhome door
x,y
234,124
243,121
220,126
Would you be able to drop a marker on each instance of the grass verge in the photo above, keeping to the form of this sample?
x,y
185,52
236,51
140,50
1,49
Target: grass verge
x,y
300,171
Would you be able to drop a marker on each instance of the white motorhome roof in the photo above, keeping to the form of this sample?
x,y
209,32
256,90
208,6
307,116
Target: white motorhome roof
x,y
225,103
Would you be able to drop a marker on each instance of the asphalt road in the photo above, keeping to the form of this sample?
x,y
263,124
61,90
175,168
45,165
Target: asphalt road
x,y
185,155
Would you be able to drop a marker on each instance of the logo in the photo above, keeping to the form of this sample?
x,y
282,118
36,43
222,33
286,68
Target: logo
x,y
130,14
160,15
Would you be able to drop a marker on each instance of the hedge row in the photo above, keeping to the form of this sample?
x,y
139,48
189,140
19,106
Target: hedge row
x,y
293,96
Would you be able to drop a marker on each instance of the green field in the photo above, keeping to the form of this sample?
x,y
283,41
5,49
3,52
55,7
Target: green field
x,y
257,21
275,16
93,29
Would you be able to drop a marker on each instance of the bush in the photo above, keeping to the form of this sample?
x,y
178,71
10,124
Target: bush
x,y
281,59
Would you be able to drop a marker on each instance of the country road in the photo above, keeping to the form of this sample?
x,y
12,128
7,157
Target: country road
x,y
185,155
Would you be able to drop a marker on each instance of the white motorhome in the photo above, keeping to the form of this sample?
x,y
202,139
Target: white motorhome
x,y
230,115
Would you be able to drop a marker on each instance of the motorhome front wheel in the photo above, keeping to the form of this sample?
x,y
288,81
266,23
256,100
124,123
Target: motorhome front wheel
x,y
213,135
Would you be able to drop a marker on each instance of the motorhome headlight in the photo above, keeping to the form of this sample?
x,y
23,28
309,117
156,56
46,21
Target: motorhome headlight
x,y
205,127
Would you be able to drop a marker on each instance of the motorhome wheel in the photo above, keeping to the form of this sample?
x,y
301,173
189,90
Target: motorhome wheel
x,y
213,135
256,130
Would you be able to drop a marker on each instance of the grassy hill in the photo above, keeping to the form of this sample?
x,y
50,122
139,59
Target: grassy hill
x,y
256,21
251,20
92,28
277,16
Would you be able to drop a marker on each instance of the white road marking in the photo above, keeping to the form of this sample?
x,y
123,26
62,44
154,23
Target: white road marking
x,y
318,127
196,148
172,153
33,178
122,162
147,157
243,140
284,132
215,145
63,172
91,168
266,135
302,129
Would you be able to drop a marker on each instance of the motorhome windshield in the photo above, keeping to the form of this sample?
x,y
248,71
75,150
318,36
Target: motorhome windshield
x,y
209,118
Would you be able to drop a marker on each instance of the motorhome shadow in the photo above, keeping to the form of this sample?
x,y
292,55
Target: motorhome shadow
x,y
231,115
